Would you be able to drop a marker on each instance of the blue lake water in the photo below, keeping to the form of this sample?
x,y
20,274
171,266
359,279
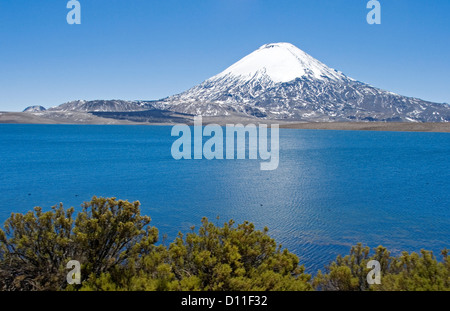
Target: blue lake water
x,y
331,190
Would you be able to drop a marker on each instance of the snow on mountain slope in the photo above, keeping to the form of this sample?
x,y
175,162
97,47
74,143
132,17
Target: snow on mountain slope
x,y
100,106
280,62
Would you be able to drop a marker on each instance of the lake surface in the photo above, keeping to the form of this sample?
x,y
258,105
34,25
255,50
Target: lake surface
x,y
331,190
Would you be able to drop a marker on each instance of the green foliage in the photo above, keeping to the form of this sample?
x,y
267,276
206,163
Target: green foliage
x,y
117,250
109,233
414,272
408,272
234,259
36,247
231,258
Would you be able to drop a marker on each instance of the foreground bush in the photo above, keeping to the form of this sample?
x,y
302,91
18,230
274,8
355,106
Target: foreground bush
x,y
407,272
35,247
117,249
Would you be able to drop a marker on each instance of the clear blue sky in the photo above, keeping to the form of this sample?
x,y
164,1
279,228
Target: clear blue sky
x,y
150,49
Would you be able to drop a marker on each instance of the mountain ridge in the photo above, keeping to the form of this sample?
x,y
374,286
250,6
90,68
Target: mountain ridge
x,y
279,81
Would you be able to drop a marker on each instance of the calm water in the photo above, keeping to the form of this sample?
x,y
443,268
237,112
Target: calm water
x,y
332,188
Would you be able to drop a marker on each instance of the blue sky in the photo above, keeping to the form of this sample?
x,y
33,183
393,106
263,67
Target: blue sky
x,y
147,49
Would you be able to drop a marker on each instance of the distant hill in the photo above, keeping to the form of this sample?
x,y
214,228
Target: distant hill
x,y
100,106
35,109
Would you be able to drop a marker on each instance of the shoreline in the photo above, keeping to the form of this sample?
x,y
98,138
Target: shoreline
x,y
372,126
87,119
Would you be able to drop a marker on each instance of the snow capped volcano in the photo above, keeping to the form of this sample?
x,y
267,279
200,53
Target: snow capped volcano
x,y
280,81
280,62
